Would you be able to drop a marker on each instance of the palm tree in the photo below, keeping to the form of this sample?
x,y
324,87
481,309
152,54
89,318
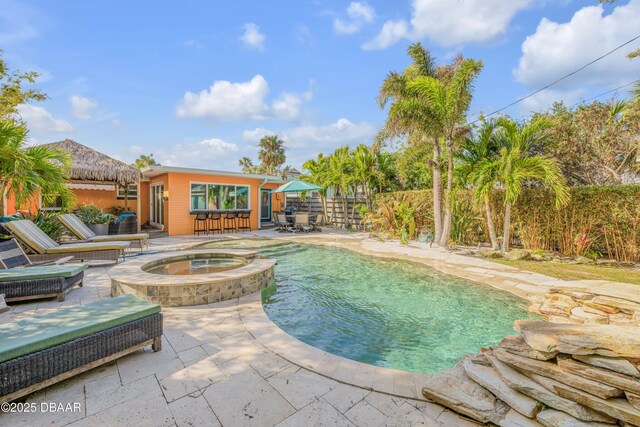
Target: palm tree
x,y
145,161
448,96
341,178
478,167
25,171
271,155
518,164
319,172
247,165
411,116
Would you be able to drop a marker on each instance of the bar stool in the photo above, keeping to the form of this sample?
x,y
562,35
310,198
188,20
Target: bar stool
x,y
200,223
215,222
230,222
244,221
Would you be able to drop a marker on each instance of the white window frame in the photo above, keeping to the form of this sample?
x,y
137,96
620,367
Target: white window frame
x,y
207,184
121,197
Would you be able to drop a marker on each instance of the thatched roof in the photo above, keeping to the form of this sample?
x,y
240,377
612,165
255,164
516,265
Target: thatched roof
x,y
88,164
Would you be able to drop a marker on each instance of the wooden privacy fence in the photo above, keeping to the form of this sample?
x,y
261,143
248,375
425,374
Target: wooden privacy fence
x,y
335,212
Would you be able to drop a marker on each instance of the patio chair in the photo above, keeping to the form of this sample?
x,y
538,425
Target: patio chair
x,y
42,350
41,280
45,248
84,233
284,225
302,222
318,222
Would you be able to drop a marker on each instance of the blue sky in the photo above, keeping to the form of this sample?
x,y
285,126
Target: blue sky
x,y
197,83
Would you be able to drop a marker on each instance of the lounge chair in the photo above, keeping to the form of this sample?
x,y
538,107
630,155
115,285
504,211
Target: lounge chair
x,y
37,281
39,351
45,248
318,222
84,233
302,222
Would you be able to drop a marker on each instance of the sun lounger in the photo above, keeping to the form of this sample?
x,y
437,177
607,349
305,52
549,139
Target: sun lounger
x,y
82,232
39,351
45,248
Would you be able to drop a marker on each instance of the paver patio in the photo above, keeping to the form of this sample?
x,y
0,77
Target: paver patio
x,y
215,369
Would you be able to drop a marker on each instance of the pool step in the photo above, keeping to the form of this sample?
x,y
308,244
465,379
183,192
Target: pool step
x,y
282,250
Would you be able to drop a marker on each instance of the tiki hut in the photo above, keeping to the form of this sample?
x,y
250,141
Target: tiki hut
x,y
94,171
88,164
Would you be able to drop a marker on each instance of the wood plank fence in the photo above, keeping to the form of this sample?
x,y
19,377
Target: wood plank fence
x,y
335,214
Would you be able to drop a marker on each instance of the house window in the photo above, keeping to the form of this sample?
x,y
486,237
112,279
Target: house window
x,y
132,191
53,203
219,197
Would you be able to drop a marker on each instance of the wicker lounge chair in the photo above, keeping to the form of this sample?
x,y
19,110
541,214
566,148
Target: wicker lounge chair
x,y
82,232
45,248
37,281
39,351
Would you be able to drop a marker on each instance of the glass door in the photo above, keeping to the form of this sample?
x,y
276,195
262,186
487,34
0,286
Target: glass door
x,y
157,204
265,205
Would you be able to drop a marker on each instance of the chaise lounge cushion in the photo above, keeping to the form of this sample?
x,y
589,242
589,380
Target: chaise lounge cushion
x,y
119,237
37,333
41,272
88,247
77,227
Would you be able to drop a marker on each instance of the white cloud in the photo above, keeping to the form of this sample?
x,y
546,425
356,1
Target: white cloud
x,y
41,120
545,99
556,49
192,44
391,32
256,134
359,13
252,37
212,153
451,23
82,107
242,101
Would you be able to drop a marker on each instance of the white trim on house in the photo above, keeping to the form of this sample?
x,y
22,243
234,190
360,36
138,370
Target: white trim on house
x,y
152,171
248,208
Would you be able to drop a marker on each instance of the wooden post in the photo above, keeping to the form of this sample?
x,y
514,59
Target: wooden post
x,y
138,207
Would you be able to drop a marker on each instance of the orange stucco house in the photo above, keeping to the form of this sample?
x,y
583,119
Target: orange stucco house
x,y
164,197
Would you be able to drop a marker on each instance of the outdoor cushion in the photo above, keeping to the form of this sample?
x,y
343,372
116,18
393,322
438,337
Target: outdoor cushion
x,y
88,247
41,272
31,235
76,226
37,333
120,237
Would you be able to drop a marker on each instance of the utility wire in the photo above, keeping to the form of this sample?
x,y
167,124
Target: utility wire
x,y
517,101
604,93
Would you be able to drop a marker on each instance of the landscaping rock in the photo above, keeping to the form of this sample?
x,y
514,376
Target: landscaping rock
x,y
489,253
553,418
538,257
551,370
518,346
488,378
515,419
607,262
579,313
583,260
620,409
634,399
605,376
525,385
603,340
455,390
623,305
518,255
622,366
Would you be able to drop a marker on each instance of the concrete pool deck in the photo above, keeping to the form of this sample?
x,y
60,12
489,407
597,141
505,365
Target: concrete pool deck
x,y
228,364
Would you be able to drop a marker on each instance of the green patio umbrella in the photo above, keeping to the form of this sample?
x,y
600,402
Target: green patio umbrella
x,y
297,186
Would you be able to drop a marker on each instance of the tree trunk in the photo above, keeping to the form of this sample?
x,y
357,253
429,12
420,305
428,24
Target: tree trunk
x,y
507,227
3,189
446,225
492,228
437,193
333,207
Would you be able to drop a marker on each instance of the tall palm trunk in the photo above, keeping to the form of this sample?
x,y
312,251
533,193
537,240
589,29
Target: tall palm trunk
x,y
507,227
437,193
3,190
446,225
490,225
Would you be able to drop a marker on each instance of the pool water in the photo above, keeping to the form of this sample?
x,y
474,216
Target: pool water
x,y
240,244
195,266
389,313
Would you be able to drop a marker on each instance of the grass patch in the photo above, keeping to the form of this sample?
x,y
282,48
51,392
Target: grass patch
x,y
576,271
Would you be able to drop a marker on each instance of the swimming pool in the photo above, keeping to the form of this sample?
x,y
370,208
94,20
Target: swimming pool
x,y
385,312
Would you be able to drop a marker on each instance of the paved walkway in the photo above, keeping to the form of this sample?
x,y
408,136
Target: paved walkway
x,y
225,364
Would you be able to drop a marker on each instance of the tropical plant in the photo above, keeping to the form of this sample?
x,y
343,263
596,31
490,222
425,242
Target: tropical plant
x,y
271,154
477,168
144,161
90,213
26,171
48,222
448,96
518,165
318,174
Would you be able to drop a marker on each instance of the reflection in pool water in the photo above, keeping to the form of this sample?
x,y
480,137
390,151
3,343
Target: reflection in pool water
x,y
195,266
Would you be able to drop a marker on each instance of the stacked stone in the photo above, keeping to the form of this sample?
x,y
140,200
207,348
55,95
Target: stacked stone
x,y
571,306
552,375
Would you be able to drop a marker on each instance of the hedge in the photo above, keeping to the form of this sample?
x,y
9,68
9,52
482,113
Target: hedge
x,y
598,220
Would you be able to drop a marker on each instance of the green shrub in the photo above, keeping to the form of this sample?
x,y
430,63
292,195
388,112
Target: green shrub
x,y
48,222
92,214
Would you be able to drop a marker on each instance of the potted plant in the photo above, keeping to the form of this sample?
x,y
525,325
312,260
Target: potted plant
x,y
95,218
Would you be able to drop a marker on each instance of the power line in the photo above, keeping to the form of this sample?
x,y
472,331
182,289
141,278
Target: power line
x,y
517,101
604,93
